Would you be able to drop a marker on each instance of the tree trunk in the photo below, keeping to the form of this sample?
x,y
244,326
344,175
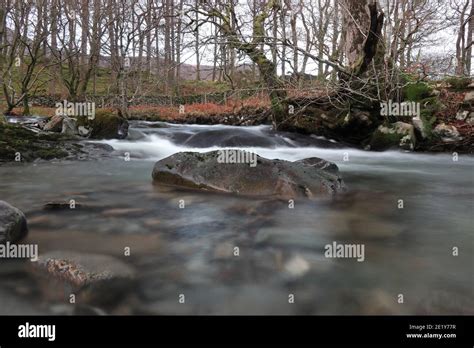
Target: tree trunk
x,y
55,13
283,48
363,23
196,47
469,42
266,67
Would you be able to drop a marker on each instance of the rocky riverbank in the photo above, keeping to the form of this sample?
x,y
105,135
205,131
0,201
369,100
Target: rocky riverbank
x,y
439,118
61,137
444,123
20,144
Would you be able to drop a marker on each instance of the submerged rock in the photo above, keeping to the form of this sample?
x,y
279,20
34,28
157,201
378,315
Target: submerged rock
x,y
94,278
13,226
61,205
14,304
81,269
310,177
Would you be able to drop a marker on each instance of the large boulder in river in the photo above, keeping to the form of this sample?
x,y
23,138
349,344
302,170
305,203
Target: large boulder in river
x,y
105,124
310,177
13,226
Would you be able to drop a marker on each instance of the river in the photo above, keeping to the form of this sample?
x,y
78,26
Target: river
x,y
238,255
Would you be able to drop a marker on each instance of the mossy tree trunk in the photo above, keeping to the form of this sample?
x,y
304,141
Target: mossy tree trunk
x,y
363,22
2,58
253,50
360,85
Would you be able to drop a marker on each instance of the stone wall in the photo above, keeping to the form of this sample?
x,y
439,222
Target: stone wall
x,y
109,101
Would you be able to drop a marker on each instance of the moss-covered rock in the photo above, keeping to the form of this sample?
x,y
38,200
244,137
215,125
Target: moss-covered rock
x,y
458,83
311,177
20,144
13,226
429,108
106,124
397,135
355,126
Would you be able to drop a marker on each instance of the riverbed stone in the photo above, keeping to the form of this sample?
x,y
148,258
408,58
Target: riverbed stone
x,y
95,279
13,225
81,269
13,304
311,177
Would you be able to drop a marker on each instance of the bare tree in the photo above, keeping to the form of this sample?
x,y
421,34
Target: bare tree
x,y
24,54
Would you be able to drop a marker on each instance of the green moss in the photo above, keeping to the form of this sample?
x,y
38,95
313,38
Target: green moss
x,y
458,83
429,108
15,139
351,125
51,153
52,136
383,141
417,91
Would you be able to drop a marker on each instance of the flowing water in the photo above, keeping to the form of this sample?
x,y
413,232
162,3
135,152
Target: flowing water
x,y
408,211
